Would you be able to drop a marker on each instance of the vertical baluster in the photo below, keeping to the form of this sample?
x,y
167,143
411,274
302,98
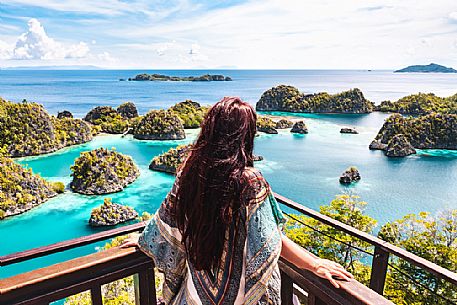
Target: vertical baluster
x,y
379,270
96,295
146,285
287,289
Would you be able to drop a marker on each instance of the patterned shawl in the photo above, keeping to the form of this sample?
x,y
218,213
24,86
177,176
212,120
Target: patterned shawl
x,y
248,272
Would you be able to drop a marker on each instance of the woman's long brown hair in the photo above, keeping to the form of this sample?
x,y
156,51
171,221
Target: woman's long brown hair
x,y
210,181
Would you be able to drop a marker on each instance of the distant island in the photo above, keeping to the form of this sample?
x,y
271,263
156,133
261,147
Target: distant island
x,y
161,77
431,68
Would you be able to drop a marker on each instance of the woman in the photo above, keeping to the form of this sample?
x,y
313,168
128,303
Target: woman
x,y
217,235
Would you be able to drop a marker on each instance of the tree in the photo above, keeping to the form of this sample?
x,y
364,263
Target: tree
x,y
328,242
431,237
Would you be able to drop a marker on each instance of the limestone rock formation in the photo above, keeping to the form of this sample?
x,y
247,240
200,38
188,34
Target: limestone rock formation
x,y
28,130
159,125
191,113
266,125
349,130
64,114
299,127
284,124
350,175
288,98
102,171
21,189
169,161
432,131
127,110
110,214
399,146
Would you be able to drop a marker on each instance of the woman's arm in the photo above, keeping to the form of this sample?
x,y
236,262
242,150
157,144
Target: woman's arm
x,y
305,260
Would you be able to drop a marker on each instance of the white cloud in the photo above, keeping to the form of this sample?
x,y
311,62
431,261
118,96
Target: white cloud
x,y
36,44
5,51
453,16
106,57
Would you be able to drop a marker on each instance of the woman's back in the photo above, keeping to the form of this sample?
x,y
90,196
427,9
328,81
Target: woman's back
x,y
247,271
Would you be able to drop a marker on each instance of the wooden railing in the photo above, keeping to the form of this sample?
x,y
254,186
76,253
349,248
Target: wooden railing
x,y
90,272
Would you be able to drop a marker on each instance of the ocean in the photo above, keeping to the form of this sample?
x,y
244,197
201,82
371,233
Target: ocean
x,y
304,168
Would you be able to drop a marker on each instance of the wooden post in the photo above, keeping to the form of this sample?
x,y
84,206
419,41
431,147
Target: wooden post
x,y
96,295
147,287
287,289
379,270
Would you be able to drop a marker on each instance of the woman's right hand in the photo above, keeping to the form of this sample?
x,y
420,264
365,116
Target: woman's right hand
x,y
131,241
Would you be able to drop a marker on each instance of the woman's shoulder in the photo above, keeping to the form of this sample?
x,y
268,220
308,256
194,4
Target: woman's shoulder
x,y
256,188
252,174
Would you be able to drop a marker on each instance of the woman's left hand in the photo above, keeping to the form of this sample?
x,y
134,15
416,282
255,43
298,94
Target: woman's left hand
x,y
131,241
330,270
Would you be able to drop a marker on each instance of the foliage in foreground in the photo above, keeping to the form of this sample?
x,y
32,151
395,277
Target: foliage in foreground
x,y
431,237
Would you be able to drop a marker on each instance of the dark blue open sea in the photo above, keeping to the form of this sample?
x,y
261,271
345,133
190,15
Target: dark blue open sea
x,y
303,167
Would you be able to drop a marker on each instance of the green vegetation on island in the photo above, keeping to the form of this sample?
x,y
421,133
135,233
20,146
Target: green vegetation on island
x,y
110,214
420,104
430,68
102,171
430,237
161,77
266,125
159,125
107,119
191,113
290,99
432,131
26,129
169,161
284,124
21,189
127,110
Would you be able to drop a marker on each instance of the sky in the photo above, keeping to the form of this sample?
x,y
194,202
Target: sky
x,y
210,34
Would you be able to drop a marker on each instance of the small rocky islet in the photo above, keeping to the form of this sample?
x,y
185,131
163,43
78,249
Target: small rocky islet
x,y
350,175
111,214
299,127
348,130
102,171
161,77
266,125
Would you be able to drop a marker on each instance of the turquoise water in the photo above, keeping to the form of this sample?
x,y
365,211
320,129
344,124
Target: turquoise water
x,y
302,167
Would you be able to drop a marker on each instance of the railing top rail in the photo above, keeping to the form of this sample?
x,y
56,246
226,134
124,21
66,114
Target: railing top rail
x,y
377,242
82,270
385,246
68,244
